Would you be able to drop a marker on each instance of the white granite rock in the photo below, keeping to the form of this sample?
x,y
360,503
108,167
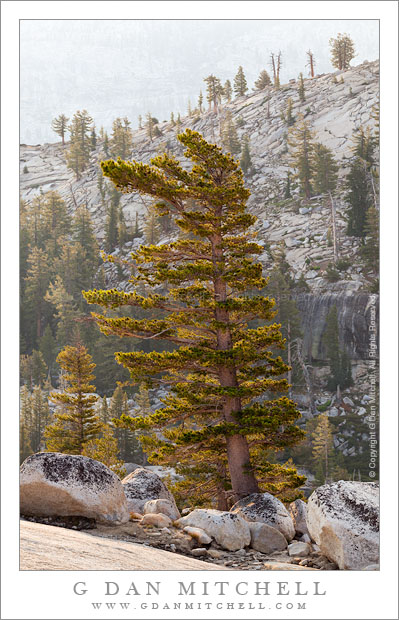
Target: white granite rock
x,y
343,519
267,509
55,484
229,530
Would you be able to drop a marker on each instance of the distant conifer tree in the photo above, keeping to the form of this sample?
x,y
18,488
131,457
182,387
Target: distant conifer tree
x,y
301,89
214,91
342,51
263,80
105,449
78,155
230,141
227,91
240,83
300,140
245,161
121,139
75,421
59,125
200,102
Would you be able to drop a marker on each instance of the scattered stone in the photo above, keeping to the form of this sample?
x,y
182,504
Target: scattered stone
x,y
265,538
297,510
348,401
305,538
299,549
199,551
65,485
200,535
343,519
333,412
372,567
143,485
157,520
135,516
228,529
285,566
267,509
164,506
215,554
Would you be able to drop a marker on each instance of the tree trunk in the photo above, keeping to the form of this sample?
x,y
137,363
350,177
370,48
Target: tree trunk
x,y
243,481
289,359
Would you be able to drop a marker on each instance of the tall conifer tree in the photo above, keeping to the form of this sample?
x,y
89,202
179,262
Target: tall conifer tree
x,y
219,365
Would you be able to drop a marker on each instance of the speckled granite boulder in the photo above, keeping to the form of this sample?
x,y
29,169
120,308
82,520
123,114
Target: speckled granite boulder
x,y
265,508
54,484
343,519
143,485
229,530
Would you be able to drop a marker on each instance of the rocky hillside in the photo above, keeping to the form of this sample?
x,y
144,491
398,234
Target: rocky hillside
x,y
336,104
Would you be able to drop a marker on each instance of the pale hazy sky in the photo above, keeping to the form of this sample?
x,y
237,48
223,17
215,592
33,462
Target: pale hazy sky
x,y
126,68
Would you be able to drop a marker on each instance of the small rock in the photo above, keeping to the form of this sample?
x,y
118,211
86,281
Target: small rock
x,y
265,538
199,551
157,520
135,516
285,566
164,506
299,549
200,535
348,401
303,210
305,538
172,547
215,554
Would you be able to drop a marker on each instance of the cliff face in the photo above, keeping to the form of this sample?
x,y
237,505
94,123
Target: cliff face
x,y
334,110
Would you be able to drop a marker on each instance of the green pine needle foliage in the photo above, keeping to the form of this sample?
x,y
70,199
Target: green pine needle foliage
x,y
225,378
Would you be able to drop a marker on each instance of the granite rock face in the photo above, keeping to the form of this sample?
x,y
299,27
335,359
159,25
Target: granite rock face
x,y
267,509
54,484
343,519
229,530
143,485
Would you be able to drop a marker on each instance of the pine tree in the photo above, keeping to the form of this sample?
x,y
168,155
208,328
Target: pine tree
x,y
287,191
172,119
245,161
149,126
342,51
152,229
229,137
122,229
219,365
48,347
142,401
322,441
263,80
122,138
301,89
227,91
300,141
311,63
25,448
129,447
40,417
371,248
56,223
288,117
359,182
93,139
214,91
141,121
325,169
59,125
103,411
78,155
86,248
200,102
66,310
178,123
240,83
36,284
105,450
106,145
76,422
